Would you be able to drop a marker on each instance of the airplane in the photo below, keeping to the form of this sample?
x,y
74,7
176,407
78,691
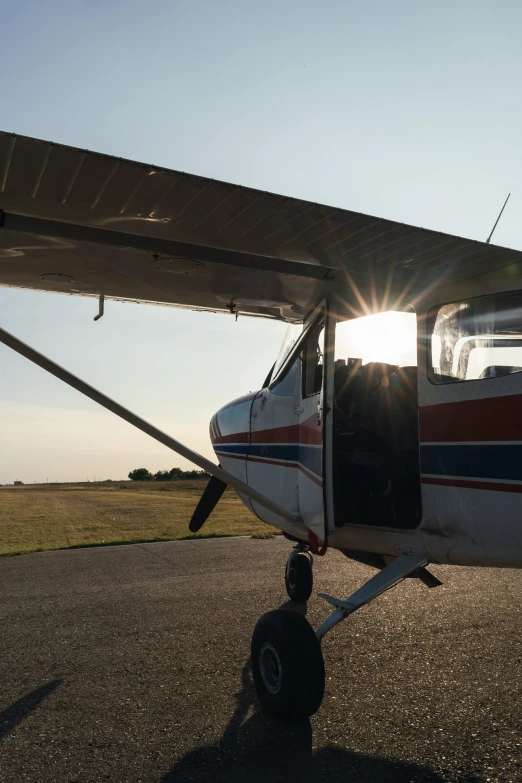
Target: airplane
x,y
400,456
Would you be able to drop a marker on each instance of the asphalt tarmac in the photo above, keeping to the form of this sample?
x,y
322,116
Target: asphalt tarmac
x,y
131,664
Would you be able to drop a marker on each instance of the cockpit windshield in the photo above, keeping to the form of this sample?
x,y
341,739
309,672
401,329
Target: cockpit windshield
x,y
291,337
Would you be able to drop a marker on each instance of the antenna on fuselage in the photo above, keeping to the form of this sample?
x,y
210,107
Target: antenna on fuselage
x,y
488,240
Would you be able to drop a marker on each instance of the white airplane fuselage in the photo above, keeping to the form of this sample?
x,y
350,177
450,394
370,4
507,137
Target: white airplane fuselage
x,y
470,470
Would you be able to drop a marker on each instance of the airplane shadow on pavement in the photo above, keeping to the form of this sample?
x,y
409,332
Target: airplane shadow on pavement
x,y
260,749
17,712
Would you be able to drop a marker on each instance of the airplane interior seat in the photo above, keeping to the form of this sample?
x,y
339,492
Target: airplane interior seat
x,y
398,425
358,393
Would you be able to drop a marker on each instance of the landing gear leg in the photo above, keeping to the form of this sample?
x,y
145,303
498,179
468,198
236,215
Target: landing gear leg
x,y
299,578
287,662
392,574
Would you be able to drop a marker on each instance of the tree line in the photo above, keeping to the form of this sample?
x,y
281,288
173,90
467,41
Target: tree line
x,y
142,474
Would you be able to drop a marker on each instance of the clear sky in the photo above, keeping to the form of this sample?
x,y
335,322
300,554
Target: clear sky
x,y
406,110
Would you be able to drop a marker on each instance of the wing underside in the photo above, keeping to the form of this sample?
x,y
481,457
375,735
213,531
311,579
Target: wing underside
x,y
78,222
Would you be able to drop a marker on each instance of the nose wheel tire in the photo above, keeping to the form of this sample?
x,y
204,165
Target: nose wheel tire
x,y
299,578
287,665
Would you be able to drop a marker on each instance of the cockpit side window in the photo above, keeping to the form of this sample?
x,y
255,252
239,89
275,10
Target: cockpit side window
x,y
286,386
313,361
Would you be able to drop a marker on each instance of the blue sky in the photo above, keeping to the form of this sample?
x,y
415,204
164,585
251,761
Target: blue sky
x,y
406,110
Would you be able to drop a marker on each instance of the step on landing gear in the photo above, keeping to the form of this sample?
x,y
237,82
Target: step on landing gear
x,y
287,661
299,578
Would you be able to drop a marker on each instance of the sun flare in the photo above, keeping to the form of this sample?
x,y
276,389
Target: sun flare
x,y
389,337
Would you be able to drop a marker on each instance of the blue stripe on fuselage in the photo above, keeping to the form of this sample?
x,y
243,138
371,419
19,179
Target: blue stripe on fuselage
x,y
498,461
310,457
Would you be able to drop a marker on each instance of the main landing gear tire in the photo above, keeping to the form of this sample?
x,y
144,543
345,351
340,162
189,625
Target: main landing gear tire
x,y
299,578
287,665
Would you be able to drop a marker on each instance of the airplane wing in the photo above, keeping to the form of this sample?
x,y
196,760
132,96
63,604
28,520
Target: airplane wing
x,y
79,222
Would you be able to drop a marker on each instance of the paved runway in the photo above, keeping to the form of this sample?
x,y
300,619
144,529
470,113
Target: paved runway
x,y
131,664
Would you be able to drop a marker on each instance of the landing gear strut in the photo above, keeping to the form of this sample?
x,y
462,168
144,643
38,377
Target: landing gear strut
x,y
299,578
287,661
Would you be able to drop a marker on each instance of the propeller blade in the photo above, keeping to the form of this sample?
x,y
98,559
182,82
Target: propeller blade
x,y
207,503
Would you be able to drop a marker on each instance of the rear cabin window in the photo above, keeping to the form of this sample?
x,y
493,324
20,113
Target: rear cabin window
x,y
476,339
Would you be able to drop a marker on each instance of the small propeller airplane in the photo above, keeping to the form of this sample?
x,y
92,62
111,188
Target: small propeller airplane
x,y
402,456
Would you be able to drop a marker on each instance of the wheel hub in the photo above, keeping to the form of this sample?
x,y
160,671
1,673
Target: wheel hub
x,y
270,668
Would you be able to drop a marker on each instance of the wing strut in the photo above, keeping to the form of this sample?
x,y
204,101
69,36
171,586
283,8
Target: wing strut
x,y
149,429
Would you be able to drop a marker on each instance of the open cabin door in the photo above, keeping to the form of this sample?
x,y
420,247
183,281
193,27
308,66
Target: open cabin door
x,y
376,437
314,414
290,452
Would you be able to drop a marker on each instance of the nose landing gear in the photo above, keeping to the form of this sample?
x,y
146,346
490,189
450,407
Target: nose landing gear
x,y
299,578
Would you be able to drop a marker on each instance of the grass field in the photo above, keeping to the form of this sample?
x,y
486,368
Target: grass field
x,y
34,518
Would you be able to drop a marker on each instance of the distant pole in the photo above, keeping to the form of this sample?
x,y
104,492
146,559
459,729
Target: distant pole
x,y
488,240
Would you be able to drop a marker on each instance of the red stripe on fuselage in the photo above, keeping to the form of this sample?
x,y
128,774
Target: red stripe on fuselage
x,y
307,433
466,484
235,437
487,419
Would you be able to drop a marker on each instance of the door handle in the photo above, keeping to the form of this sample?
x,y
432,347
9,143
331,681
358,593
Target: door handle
x,y
298,411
